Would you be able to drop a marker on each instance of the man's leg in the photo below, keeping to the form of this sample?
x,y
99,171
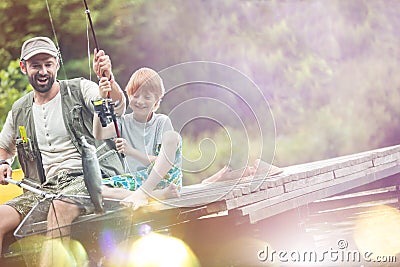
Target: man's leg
x,y
9,220
61,215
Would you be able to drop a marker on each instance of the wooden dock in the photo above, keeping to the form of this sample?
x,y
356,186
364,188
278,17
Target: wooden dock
x,y
298,185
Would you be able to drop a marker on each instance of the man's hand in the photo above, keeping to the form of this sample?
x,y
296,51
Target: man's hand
x,y
5,172
102,64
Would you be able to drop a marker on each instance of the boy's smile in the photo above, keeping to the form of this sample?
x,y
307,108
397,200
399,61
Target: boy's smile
x,y
142,104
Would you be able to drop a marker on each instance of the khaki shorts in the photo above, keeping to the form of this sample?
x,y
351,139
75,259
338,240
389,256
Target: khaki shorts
x,y
65,183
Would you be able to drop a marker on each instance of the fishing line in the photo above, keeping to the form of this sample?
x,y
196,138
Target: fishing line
x,y
89,21
87,11
88,49
56,217
127,169
65,75
56,39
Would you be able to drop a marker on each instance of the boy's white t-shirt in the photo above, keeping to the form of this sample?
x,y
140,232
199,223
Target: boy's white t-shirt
x,y
143,136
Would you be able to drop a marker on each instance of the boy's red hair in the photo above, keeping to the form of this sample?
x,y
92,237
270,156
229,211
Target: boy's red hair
x,y
145,78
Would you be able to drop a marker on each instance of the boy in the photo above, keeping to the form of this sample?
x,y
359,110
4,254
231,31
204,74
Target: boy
x,y
153,149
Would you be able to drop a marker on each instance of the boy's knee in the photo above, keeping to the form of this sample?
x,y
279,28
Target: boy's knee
x,y
171,138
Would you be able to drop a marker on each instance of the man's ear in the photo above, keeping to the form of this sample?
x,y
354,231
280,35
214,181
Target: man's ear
x,y
22,66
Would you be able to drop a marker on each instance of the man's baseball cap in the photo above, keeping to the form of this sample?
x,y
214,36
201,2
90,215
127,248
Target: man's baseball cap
x,y
38,45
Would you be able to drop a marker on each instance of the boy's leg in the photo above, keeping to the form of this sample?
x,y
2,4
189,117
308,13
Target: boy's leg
x,y
259,167
10,219
114,192
164,161
162,165
262,167
171,191
225,174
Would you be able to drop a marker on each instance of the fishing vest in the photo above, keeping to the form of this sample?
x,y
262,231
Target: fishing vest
x,y
78,120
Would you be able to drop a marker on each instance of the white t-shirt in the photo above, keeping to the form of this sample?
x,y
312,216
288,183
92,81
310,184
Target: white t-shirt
x,y
145,137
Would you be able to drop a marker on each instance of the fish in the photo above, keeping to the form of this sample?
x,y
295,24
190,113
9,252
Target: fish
x,y
92,175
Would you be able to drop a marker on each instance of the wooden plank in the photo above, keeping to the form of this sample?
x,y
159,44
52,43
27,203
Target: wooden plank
x,y
228,190
268,211
245,190
237,192
352,169
331,203
262,182
381,152
270,182
386,166
194,213
296,193
297,172
211,190
386,159
254,197
320,178
197,188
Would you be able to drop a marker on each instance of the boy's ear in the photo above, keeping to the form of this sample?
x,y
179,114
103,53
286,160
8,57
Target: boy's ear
x,y
156,105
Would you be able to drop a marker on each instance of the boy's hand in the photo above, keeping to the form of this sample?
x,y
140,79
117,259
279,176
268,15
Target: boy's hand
x,y
122,145
104,87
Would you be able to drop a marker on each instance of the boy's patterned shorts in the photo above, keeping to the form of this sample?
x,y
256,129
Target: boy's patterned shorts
x,y
132,181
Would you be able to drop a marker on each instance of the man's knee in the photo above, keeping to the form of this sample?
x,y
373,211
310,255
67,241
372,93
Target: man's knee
x,y
63,209
10,218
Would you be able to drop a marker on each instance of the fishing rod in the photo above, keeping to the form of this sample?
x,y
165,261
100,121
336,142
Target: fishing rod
x,y
109,102
87,11
30,188
105,108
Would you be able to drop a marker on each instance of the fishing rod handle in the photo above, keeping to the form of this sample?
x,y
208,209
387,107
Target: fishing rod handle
x,y
30,188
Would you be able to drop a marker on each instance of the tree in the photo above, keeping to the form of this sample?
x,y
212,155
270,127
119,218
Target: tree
x,y
13,85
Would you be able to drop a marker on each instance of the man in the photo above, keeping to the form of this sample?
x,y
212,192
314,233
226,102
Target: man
x,y
44,127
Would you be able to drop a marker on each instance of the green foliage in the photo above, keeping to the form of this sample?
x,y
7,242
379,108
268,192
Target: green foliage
x,y
13,85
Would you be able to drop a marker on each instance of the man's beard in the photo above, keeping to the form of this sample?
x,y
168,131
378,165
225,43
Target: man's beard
x,y
41,88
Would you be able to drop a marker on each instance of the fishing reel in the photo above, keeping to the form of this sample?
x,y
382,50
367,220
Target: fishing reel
x,y
104,108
